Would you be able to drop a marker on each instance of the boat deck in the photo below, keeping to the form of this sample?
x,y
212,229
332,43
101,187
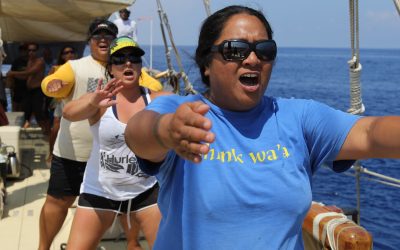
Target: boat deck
x,y
19,226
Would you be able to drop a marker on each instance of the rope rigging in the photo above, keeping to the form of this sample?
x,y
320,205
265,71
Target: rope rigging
x,y
359,172
356,105
375,177
171,74
207,7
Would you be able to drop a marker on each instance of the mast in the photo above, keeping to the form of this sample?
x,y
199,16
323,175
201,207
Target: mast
x,y
397,4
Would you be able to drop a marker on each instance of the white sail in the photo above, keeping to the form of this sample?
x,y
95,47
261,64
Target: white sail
x,y
52,20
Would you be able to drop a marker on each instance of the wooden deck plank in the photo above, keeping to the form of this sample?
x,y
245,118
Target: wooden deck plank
x,y
11,224
35,194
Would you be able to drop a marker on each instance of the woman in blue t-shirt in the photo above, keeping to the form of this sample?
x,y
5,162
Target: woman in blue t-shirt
x,y
234,166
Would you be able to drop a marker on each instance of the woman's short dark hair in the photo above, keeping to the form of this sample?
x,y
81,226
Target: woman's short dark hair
x,y
211,30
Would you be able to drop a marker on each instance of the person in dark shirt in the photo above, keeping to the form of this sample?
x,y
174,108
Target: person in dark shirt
x,y
35,100
17,84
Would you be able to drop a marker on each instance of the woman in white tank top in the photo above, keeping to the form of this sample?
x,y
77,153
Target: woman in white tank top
x,y
113,182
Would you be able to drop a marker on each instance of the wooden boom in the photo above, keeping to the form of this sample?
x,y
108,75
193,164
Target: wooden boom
x,y
328,228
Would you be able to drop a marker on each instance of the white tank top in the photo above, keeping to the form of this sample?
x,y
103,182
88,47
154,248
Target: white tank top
x,y
112,170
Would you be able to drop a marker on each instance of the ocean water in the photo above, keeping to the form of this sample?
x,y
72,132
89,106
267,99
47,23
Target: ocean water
x,y
323,75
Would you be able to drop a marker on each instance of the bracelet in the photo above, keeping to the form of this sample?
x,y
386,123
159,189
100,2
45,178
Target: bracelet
x,y
155,131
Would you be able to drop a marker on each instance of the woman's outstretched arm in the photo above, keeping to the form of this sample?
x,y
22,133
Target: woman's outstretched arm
x,y
151,135
372,137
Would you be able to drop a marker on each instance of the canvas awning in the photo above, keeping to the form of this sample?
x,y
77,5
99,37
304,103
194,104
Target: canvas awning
x,y
52,20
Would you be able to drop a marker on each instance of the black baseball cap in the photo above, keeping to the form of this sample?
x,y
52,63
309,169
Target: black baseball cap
x,y
124,10
102,25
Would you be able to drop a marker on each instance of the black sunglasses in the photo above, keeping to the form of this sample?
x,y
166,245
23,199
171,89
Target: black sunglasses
x,y
239,50
68,52
119,59
107,37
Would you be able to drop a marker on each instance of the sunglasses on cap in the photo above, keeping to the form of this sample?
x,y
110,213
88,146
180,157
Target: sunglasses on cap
x,y
119,59
239,50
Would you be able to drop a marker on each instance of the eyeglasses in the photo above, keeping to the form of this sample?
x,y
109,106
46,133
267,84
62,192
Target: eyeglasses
x,y
68,52
99,37
119,59
239,50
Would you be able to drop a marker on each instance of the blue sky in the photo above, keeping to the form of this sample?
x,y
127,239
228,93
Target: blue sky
x,y
304,23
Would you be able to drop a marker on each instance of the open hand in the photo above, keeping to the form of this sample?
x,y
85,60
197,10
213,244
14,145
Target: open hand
x,y
103,97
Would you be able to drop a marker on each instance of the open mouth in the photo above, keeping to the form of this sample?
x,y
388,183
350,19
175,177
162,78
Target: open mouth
x,y
103,46
128,72
249,79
